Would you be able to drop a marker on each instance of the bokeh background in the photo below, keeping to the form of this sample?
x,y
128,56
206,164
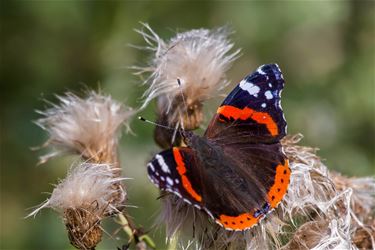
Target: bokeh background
x,y
325,48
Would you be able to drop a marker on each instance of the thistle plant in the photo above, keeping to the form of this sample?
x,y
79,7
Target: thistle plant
x,y
93,189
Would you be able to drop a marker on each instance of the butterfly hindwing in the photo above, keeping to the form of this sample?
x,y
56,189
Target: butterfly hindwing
x,y
252,111
246,183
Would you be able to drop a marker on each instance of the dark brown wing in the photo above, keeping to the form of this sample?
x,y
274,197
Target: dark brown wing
x,y
247,182
237,190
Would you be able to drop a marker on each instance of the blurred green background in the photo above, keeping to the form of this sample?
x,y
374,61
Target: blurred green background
x,y
325,49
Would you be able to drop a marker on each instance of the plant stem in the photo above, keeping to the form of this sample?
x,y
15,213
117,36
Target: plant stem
x,y
132,232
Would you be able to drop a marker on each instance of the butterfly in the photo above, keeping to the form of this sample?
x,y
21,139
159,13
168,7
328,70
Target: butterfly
x,y
237,171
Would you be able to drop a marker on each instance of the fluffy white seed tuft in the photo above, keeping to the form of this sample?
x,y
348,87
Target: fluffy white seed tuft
x,y
92,187
88,126
198,58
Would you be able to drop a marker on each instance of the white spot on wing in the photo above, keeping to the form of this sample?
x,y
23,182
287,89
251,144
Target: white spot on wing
x,y
152,168
153,180
270,85
268,95
264,105
260,71
177,181
162,163
170,181
249,87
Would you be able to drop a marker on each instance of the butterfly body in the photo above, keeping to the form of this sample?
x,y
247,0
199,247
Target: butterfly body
x,y
206,150
236,172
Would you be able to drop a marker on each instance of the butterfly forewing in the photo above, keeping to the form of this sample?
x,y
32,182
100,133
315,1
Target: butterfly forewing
x,y
252,111
176,170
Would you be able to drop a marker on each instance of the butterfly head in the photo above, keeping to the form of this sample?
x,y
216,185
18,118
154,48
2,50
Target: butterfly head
x,y
192,140
188,137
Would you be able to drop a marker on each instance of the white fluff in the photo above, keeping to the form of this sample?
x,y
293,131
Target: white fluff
x,y
87,186
88,126
310,182
337,234
199,58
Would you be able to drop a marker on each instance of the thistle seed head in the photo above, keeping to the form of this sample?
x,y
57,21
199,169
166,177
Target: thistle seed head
x,y
184,72
89,193
87,126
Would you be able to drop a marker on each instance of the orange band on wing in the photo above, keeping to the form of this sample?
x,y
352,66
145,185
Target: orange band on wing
x,y
280,186
275,195
246,113
181,169
240,222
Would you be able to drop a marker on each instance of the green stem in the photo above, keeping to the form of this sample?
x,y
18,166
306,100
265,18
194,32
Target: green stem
x,y
127,227
172,243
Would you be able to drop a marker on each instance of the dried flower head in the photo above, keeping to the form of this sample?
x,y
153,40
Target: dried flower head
x,y
363,197
362,208
89,193
87,126
184,72
315,214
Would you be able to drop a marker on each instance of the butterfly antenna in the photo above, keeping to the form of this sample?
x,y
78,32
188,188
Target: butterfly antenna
x,y
154,123
175,132
183,100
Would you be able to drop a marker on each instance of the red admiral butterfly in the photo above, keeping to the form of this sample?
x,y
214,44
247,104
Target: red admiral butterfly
x,y
237,172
